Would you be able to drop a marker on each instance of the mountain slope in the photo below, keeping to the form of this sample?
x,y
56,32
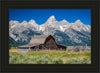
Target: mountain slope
x,y
65,33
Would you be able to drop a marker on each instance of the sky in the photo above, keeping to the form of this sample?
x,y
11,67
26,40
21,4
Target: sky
x,y
42,15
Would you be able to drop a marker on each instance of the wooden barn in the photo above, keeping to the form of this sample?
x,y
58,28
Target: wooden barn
x,y
43,42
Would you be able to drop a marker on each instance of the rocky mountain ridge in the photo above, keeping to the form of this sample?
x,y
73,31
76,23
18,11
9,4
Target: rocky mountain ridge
x,y
65,33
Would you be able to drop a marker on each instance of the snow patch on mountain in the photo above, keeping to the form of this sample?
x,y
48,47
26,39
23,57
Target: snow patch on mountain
x,y
75,31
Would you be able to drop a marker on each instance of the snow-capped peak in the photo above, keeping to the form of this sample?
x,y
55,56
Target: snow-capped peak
x,y
24,22
13,23
51,19
64,20
50,22
32,22
78,21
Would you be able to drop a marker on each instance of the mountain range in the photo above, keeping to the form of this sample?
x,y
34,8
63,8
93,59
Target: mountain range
x,y
65,33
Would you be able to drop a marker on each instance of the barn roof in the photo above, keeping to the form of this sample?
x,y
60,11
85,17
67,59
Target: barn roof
x,y
39,39
36,40
30,45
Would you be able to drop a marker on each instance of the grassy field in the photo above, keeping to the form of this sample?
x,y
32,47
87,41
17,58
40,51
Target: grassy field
x,y
49,57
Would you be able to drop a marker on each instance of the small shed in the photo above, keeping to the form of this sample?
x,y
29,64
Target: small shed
x,y
42,42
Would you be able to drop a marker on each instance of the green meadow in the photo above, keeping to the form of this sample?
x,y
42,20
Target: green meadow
x,y
50,57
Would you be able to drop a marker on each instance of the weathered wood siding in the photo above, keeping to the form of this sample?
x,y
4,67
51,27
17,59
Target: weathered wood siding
x,y
51,44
